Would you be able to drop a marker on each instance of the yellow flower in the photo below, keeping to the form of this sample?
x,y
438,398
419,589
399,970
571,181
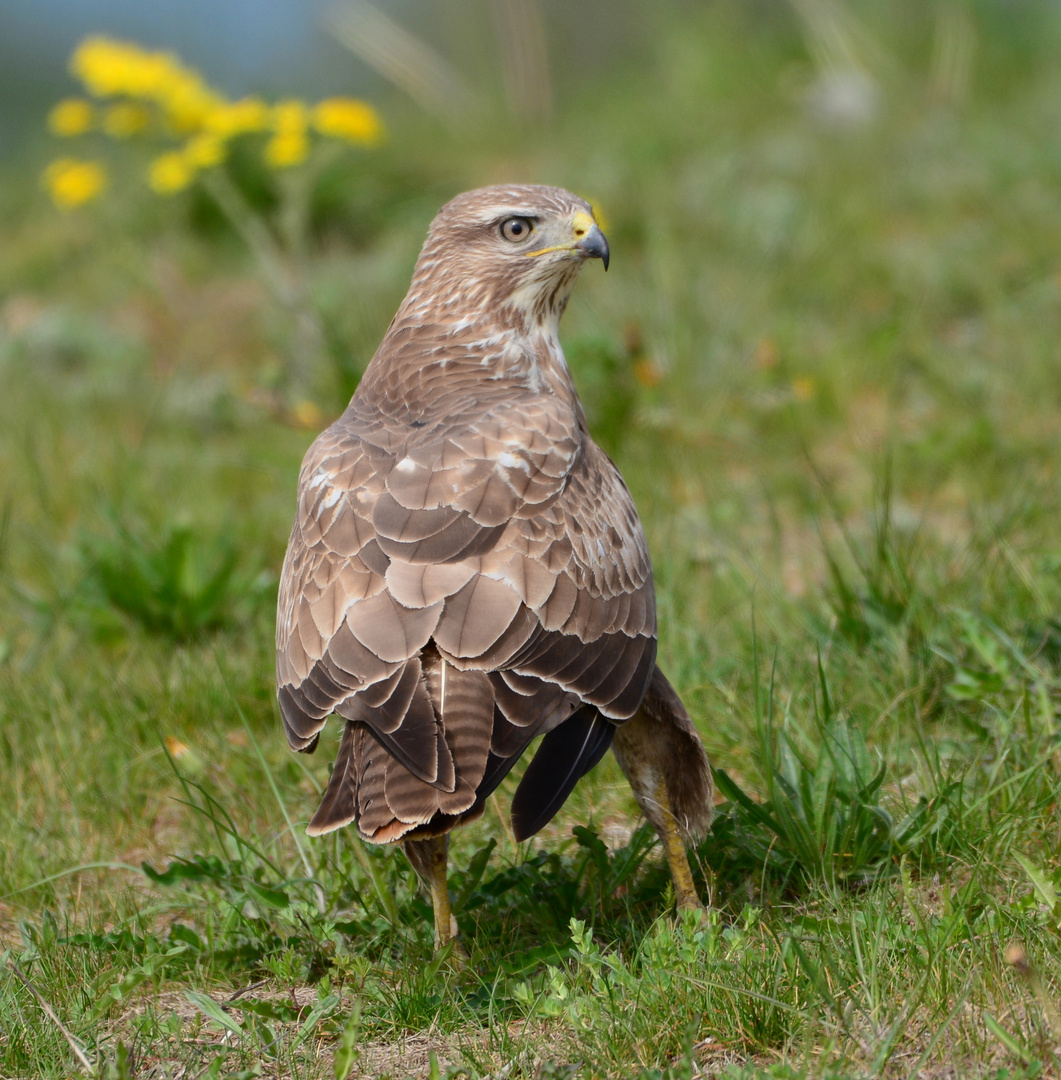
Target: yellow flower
x,y
348,118
287,148
119,69
158,90
188,101
74,116
125,119
170,173
290,145
803,388
235,118
204,151
71,182
110,68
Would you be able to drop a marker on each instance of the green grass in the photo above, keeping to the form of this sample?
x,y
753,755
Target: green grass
x,y
848,471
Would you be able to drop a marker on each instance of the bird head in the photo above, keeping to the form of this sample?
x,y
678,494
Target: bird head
x,y
514,249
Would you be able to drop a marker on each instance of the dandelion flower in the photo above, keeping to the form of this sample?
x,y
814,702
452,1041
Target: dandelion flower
x,y
156,91
287,148
349,119
228,119
188,101
116,69
290,145
71,182
73,116
170,173
111,68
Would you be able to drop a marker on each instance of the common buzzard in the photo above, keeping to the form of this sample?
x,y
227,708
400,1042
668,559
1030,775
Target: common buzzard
x,y
467,572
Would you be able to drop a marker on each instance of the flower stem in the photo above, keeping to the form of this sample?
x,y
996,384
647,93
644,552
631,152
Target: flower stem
x,y
284,271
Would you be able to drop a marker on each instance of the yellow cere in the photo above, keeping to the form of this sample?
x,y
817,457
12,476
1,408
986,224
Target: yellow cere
x,y
71,182
581,224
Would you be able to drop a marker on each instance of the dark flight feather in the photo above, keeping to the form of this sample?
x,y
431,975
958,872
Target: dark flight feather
x,y
564,756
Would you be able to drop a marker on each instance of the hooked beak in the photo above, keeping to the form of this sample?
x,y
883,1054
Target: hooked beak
x,y
594,245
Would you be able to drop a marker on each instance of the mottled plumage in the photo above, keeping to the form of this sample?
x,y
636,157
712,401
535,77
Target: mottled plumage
x,y
466,569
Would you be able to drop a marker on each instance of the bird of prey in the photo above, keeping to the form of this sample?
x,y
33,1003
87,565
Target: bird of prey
x,y
467,572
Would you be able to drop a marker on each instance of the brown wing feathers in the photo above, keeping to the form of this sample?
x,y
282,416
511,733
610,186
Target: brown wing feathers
x,y
466,572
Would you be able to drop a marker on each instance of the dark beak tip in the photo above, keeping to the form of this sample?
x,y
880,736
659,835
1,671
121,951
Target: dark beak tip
x,y
595,246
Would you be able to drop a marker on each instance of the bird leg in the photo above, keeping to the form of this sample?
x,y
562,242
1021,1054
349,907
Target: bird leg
x,y
674,849
429,858
662,756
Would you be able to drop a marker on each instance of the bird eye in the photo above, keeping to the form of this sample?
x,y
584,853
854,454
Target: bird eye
x,y
516,229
